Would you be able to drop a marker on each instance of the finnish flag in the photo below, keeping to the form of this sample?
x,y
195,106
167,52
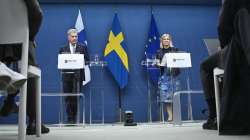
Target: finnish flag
x,y
82,39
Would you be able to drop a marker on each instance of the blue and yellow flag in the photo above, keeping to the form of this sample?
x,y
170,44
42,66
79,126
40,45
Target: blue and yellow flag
x,y
115,54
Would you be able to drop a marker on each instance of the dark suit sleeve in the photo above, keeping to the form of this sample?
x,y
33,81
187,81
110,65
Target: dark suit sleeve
x,y
61,50
83,50
86,54
226,18
34,16
158,54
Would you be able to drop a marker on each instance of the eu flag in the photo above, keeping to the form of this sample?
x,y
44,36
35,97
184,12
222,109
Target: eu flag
x,y
153,44
115,54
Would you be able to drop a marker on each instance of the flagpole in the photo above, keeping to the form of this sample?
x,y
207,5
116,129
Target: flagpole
x,y
120,104
119,89
148,83
118,65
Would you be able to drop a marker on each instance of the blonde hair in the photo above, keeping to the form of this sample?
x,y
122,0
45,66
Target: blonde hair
x,y
170,38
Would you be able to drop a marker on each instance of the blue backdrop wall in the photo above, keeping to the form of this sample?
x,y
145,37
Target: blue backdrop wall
x,y
187,24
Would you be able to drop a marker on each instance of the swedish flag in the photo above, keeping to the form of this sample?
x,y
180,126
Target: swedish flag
x,y
115,54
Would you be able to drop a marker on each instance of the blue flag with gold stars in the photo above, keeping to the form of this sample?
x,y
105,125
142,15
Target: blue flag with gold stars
x,y
115,54
153,44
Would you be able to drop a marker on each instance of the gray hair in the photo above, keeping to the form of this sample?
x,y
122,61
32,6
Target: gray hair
x,y
70,31
170,37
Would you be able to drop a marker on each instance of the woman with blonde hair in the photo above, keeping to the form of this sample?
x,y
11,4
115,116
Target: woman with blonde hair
x,y
166,88
166,41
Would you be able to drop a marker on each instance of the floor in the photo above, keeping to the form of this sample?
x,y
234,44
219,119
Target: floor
x,y
144,131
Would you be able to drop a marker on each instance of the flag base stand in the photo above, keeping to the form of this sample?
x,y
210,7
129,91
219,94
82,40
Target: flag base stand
x,y
128,119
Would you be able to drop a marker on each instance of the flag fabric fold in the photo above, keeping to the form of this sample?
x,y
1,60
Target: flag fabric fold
x,y
153,44
79,26
115,54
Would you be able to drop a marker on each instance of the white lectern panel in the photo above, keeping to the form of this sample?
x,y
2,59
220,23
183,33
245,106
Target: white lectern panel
x,y
176,60
71,61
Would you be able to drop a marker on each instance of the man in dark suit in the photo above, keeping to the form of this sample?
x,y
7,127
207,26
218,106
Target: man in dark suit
x,y
228,31
72,79
34,19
